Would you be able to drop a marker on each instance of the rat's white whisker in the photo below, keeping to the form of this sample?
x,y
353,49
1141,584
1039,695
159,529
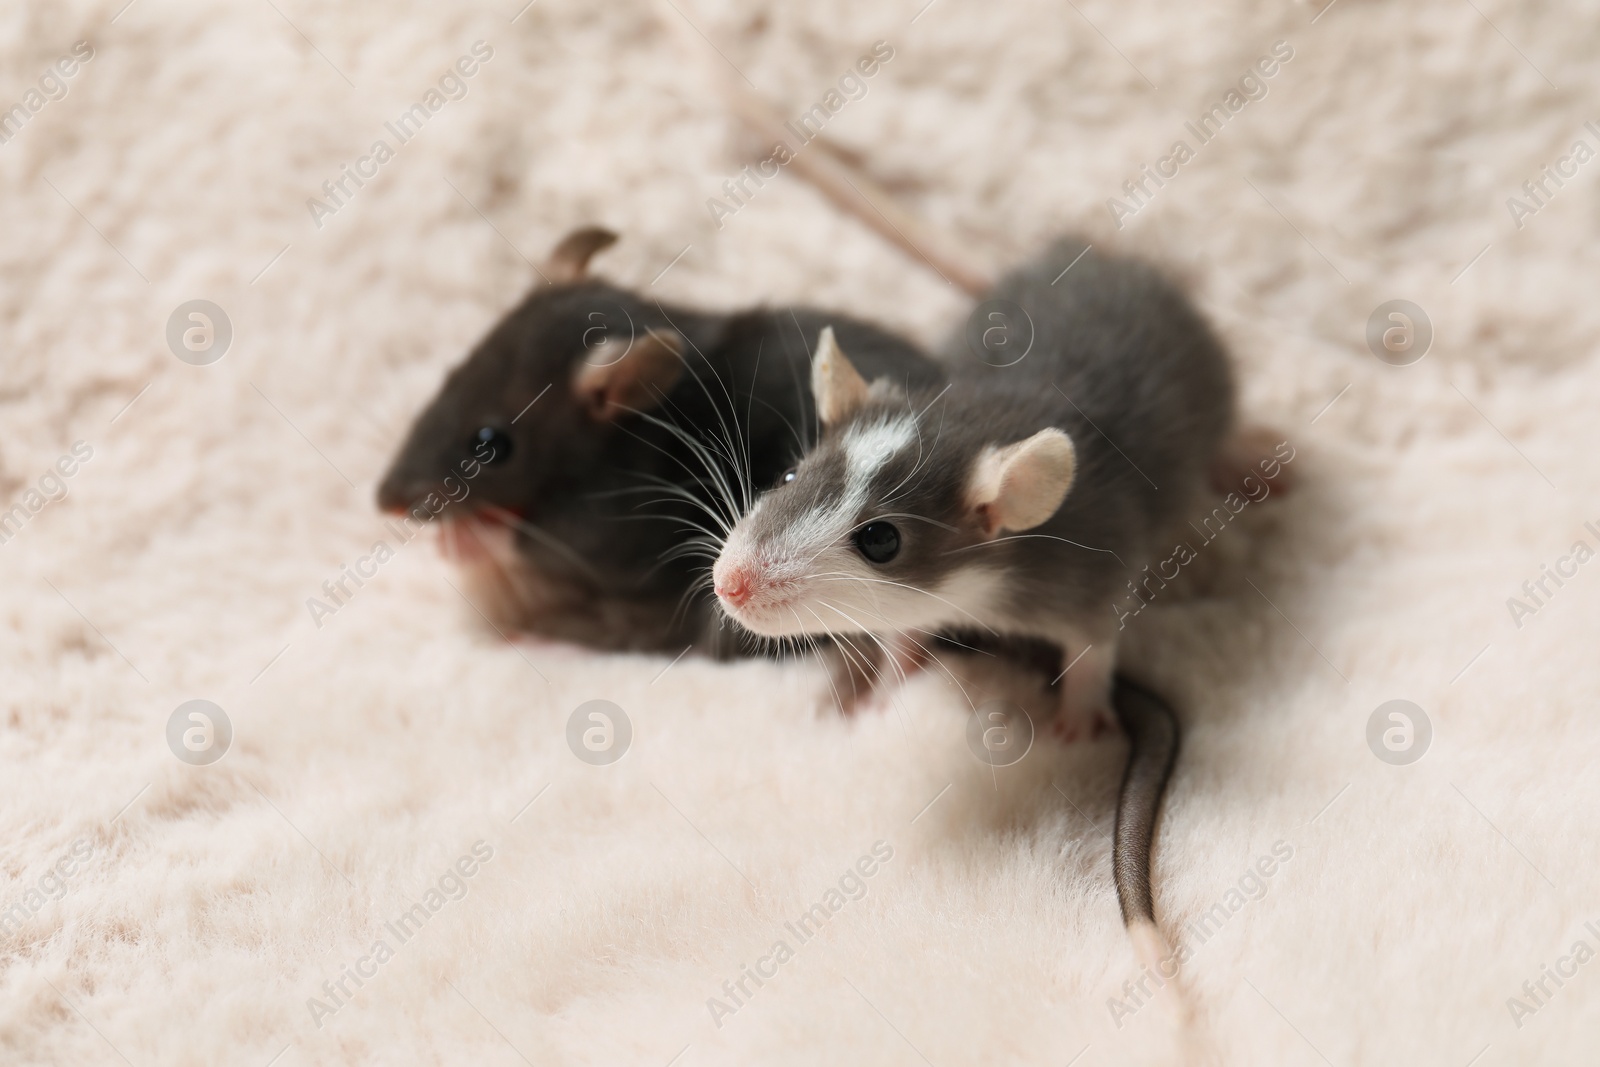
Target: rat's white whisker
x,y
901,634
914,518
680,495
888,653
691,550
722,491
931,451
838,701
923,455
697,588
886,581
1026,536
677,492
684,525
869,669
926,407
940,635
936,661
733,439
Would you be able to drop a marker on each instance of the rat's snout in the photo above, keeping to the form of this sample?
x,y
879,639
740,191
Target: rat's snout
x,y
734,582
757,586
394,496
401,490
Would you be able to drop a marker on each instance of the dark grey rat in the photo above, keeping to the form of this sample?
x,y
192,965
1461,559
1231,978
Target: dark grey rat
x,y
595,437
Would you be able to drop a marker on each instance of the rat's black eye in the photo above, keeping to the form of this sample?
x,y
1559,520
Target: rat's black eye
x,y
878,541
788,476
491,445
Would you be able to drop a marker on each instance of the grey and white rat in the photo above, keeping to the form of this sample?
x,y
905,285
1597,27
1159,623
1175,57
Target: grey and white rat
x,y
1020,500
590,435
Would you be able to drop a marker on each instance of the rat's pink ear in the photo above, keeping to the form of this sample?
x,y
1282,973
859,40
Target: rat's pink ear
x,y
836,385
1019,486
570,259
619,376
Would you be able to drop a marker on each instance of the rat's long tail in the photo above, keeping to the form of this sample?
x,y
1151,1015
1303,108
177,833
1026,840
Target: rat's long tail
x,y
1152,731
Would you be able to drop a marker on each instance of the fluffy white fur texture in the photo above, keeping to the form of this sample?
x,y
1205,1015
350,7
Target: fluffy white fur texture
x,y
370,754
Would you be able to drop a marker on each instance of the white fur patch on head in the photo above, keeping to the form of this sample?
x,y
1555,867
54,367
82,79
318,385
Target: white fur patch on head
x,y
868,445
792,557
1019,486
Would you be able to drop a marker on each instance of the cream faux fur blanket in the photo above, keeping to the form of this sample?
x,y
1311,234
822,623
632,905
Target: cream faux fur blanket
x,y
396,775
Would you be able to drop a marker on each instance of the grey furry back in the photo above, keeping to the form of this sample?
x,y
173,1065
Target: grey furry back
x,y
1130,355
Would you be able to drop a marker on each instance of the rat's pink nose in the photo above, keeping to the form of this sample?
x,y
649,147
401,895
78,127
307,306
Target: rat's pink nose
x,y
734,585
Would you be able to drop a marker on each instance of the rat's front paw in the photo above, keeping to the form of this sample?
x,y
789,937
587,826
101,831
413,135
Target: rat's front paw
x,y
853,677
